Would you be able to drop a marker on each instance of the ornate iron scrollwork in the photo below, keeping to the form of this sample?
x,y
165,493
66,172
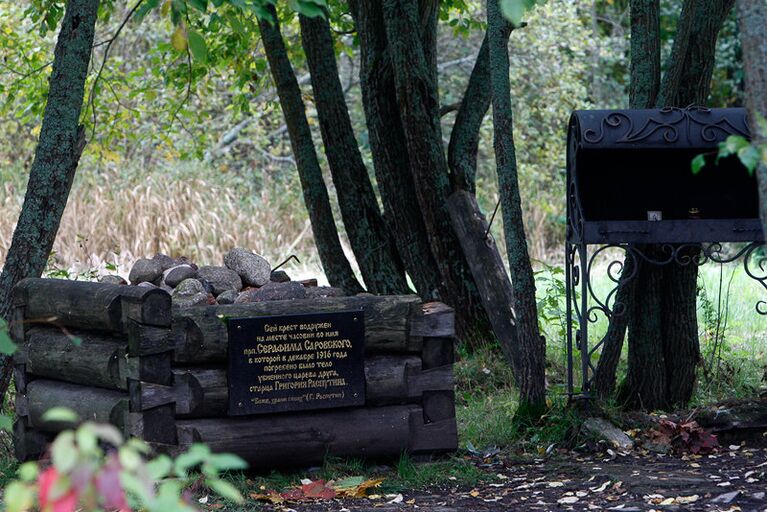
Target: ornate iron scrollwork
x,y
673,122
580,268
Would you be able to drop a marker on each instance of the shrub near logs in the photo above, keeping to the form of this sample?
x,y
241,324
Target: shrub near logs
x,y
152,360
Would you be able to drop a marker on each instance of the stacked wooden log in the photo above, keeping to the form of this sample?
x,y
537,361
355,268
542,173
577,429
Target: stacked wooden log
x,y
122,354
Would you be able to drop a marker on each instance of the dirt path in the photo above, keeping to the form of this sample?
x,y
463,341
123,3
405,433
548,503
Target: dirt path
x,y
731,480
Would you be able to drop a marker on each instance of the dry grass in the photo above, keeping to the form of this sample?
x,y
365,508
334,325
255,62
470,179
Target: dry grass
x,y
114,220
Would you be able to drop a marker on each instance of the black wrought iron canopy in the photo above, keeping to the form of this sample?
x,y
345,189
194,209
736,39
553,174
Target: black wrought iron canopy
x,y
630,183
630,180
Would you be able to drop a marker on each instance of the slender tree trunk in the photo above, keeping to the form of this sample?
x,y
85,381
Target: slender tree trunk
x,y
752,19
419,116
680,329
643,91
371,240
334,262
532,348
61,142
57,154
464,139
390,156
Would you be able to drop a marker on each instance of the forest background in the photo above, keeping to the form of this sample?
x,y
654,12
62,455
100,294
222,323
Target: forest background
x,y
193,157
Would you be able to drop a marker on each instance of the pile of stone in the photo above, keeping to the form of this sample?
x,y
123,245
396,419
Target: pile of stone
x,y
245,277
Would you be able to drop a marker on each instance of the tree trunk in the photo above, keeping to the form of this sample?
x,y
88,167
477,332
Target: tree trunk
x,y
57,154
334,262
371,241
390,156
663,330
680,323
531,348
418,104
645,384
643,91
464,139
61,142
752,19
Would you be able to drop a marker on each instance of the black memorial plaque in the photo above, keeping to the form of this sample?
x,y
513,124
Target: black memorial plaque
x,y
296,362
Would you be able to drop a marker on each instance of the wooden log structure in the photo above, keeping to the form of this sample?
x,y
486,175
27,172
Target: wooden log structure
x,y
124,355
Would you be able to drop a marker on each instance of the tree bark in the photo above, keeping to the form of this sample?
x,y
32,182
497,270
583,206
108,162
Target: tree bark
x,y
531,349
464,139
372,243
645,53
58,151
390,156
61,142
418,104
663,329
752,20
643,91
337,268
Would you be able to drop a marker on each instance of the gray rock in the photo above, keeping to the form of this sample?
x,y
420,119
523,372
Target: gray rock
x,y
228,297
145,270
206,284
726,498
146,284
221,279
112,280
603,429
189,292
175,275
164,260
279,276
273,291
324,291
252,268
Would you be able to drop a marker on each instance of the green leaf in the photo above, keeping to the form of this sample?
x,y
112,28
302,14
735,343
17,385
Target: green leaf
x,y
735,143
197,46
144,9
178,39
513,10
105,432
86,439
698,163
129,458
225,490
64,452
18,497
749,157
136,487
28,471
226,462
197,454
61,414
349,482
200,5
160,467
235,23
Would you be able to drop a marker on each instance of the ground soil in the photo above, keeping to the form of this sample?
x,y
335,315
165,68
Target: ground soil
x,y
733,479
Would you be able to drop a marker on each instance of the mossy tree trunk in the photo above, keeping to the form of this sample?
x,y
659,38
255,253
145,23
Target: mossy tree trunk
x,y
643,91
411,57
390,156
531,350
372,242
337,268
664,349
752,20
61,142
